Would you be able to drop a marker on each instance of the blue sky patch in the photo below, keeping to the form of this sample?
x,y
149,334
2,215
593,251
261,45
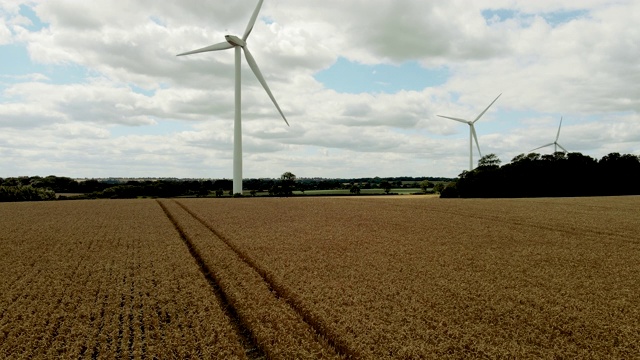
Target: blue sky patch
x,y
552,18
557,18
28,12
353,78
15,60
19,64
498,15
143,91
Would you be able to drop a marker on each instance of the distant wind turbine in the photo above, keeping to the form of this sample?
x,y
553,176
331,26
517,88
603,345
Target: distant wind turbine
x,y
239,44
555,143
472,132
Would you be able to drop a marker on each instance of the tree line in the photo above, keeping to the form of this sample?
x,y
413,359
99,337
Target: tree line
x,y
35,188
553,175
527,175
25,193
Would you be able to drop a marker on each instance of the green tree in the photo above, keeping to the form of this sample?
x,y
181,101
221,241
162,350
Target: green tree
x,y
202,192
386,186
287,184
450,191
288,176
439,187
25,193
490,160
355,189
425,185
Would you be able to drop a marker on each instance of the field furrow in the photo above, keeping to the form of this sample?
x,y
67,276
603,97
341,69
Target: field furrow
x,y
369,278
114,281
274,325
404,278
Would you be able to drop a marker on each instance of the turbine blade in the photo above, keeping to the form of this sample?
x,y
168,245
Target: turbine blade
x,y
220,46
254,66
485,110
558,136
252,21
560,146
475,137
456,119
541,147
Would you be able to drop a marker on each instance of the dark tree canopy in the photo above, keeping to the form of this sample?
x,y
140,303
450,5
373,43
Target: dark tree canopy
x,y
558,174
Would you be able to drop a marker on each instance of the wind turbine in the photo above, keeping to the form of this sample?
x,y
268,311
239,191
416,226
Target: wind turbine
x,y
555,143
472,131
239,44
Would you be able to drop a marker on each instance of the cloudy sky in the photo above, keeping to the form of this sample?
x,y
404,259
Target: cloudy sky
x,y
94,89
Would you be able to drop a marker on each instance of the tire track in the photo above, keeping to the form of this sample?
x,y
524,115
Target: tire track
x,y
280,292
244,334
279,326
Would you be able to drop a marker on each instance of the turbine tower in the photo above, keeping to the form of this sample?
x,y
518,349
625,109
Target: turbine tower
x,y
240,44
472,131
555,143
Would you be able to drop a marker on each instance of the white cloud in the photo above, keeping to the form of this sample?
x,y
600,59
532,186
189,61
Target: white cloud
x,y
5,34
8,13
97,102
34,77
585,69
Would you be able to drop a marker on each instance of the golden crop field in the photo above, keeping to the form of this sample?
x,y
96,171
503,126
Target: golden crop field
x,y
366,278
106,280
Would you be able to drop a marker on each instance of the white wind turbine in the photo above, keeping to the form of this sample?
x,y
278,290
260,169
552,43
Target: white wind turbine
x,y
239,44
472,132
555,143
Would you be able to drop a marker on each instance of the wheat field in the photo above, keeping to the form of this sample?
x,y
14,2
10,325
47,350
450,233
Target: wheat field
x,y
366,278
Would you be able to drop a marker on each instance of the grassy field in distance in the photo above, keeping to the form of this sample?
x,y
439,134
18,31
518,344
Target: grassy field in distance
x,y
400,191
341,192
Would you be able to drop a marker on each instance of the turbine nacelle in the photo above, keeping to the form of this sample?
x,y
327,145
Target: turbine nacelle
x,y
472,131
555,143
231,42
235,41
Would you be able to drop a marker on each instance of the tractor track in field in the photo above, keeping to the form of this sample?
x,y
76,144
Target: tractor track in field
x,y
278,291
251,349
